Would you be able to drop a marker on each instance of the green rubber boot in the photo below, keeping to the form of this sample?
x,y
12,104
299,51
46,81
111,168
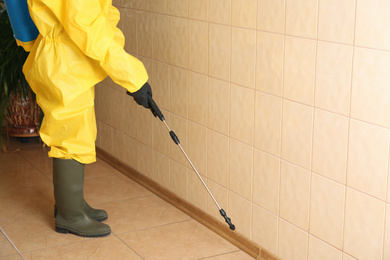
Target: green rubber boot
x,y
97,214
71,217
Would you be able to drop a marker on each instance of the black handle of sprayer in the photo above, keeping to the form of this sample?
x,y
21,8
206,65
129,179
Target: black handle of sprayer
x,y
155,110
227,219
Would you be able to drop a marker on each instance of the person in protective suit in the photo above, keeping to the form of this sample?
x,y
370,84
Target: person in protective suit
x,y
78,46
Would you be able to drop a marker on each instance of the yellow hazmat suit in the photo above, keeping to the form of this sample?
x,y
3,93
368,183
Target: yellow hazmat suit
x,y
78,46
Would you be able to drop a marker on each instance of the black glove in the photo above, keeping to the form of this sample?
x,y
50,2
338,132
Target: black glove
x,y
142,95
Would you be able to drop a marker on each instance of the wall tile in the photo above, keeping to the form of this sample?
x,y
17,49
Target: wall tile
x,y
278,163
131,116
269,64
319,250
130,157
388,183
160,6
106,138
220,11
268,119
219,93
264,229
266,179
219,51
198,98
240,211
179,91
336,21
144,126
292,242
333,77
368,154
161,38
117,2
240,169
372,24
364,226
178,8
327,203
118,142
199,46
244,13
105,110
330,145
117,114
178,179
294,195
271,15
145,160
197,194
129,20
296,133
217,158
243,57
98,127
145,5
161,90
161,169
370,91
301,18
242,114
197,147
348,257
179,41
299,68
198,10
148,64
144,34
161,137
386,252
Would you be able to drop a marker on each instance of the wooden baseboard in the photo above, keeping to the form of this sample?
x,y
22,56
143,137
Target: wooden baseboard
x,y
204,218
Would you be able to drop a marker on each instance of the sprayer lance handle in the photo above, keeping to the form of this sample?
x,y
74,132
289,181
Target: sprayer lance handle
x,y
155,110
223,214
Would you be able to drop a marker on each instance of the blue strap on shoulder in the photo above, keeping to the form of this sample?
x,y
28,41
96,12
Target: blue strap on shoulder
x,y
23,26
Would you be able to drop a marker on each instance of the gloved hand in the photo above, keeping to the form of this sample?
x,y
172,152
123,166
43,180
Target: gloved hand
x,y
142,95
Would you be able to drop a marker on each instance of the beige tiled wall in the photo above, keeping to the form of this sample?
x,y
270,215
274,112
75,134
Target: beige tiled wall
x,y
284,108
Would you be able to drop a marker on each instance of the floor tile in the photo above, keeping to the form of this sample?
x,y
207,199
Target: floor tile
x,y
10,160
100,169
103,248
106,189
5,246
11,257
37,156
24,190
32,232
140,213
239,255
185,240
143,225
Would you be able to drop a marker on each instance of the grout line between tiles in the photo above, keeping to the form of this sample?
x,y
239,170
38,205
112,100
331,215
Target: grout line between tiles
x,y
9,240
223,254
157,226
128,246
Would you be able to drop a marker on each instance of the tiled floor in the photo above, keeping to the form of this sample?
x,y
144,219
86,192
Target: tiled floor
x,y
143,225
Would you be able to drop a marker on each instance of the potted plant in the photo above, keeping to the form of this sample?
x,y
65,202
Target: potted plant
x,y
18,104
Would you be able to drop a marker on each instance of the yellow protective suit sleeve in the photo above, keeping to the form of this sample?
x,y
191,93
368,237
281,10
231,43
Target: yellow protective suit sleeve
x,y
27,46
91,24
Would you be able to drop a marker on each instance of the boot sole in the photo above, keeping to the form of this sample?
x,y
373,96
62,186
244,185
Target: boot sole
x,y
66,231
